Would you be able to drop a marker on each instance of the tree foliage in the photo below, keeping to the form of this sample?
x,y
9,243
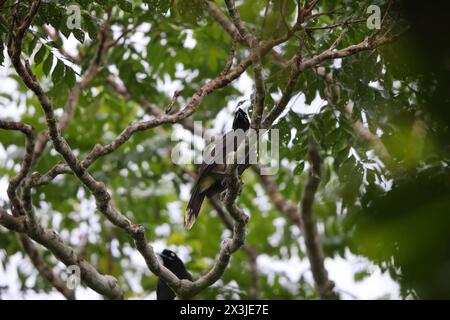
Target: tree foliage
x,y
384,183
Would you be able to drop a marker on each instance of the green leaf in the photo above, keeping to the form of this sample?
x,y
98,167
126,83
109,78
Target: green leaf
x,y
361,275
69,77
90,26
51,14
79,35
6,96
125,5
102,2
39,56
159,6
48,64
190,11
299,168
32,45
52,44
58,72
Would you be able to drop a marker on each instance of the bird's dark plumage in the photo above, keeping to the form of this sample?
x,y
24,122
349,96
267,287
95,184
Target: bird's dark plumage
x,y
172,262
210,180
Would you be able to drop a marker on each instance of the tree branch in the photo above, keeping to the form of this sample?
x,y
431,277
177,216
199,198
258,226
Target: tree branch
x,y
335,25
332,53
367,136
20,209
312,239
103,284
283,205
250,251
236,18
12,223
260,92
309,8
25,167
299,65
287,94
230,28
223,20
74,95
15,182
40,264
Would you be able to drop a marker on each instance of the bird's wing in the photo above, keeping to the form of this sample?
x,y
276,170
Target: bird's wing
x,y
215,161
209,176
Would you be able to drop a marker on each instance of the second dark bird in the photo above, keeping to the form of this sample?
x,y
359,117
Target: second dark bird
x,y
172,262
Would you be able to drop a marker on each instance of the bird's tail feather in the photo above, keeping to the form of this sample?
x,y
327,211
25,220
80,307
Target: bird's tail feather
x,y
193,208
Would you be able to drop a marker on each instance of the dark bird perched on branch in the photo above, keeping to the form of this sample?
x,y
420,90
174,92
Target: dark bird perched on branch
x,y
172,262
211,176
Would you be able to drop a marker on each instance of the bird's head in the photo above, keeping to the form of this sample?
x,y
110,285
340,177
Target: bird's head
x,y
241,120
171,261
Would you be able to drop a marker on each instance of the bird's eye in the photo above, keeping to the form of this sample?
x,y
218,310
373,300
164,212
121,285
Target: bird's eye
x,y
172,254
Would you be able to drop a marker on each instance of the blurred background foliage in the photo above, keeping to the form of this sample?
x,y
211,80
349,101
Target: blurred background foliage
x,y
398,218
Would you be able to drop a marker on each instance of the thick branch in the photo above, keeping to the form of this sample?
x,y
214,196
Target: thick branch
x,y
16,224
223,20
20,209
25,167
99,190
250,251
311,235
40,264
105,285
26,22
236,18
260,94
